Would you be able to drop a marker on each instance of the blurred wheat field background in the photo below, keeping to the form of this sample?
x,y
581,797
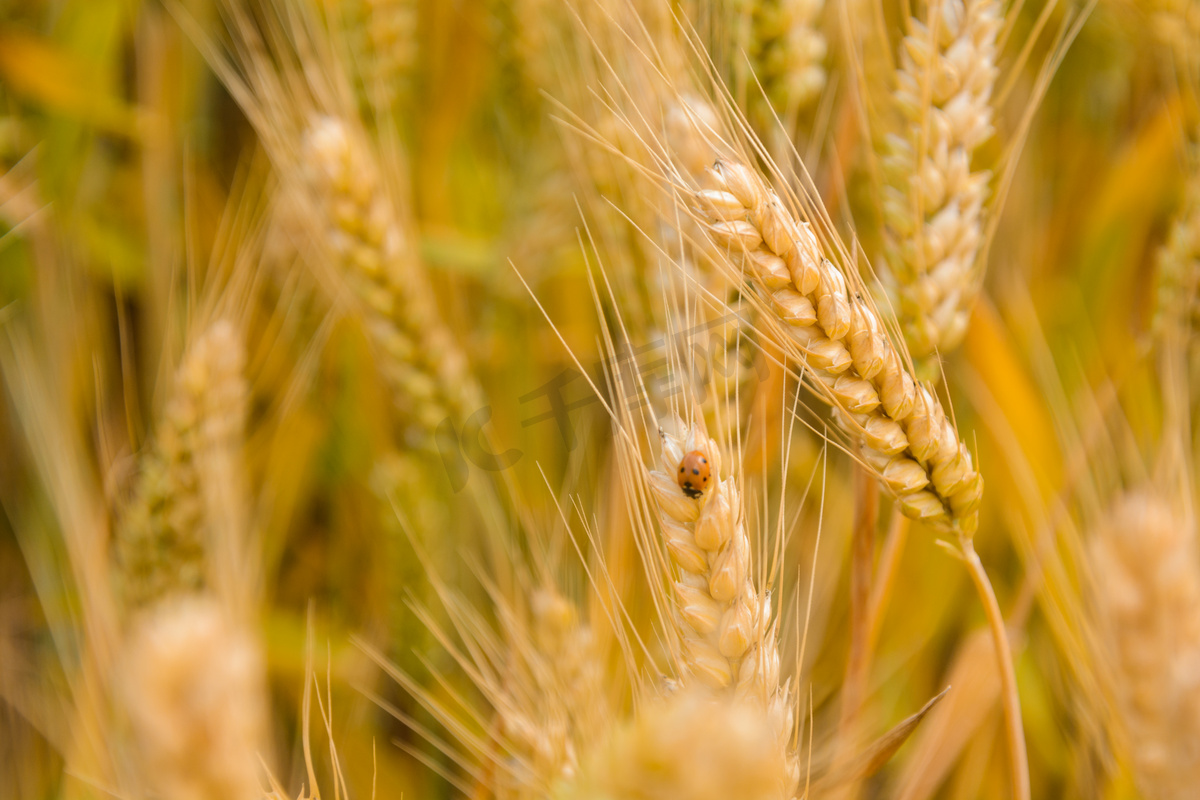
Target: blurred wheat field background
x,y
599,399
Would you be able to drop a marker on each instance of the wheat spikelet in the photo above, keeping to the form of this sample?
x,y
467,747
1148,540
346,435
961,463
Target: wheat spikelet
x,y
690,746
185,488
1177,284
786,48
1148,593
906,437
933,206
427,372
196,699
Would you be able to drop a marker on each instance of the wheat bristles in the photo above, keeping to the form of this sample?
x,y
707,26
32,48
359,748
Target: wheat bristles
x,y
1148,595
194,689
906,437
425,368
184,493
933,205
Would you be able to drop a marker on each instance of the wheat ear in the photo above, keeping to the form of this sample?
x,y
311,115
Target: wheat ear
x,y
786,49
689,746
556,681
933,206
388,45
428,373
906,437
1144,561
1177,284
193,686
728,641
188,487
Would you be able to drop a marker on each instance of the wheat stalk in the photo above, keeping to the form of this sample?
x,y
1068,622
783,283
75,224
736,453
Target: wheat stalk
x,y
933,206
905,436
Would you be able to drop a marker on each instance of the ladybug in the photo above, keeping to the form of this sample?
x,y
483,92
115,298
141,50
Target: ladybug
x,y
694,474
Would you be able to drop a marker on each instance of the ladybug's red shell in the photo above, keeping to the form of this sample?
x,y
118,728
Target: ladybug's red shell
x,y
694,474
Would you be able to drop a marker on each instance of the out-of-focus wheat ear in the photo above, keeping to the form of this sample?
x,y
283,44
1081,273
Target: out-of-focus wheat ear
x,y
558,709
1176,23
1147,595
193,686
426,370
906,437
1177,279
934,204
726,637
191,493
786,49
690,745
388,47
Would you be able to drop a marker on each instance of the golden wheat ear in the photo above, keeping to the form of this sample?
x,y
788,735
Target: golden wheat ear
x,y
840,337
934,203
728,642
782,43
1147,576
691,746
190,495
1176,314
195,691
371,249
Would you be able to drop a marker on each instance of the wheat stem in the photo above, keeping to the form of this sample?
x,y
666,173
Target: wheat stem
x,y
1018,762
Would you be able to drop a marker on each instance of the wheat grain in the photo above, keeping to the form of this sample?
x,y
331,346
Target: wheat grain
x,y
906,437
933,206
